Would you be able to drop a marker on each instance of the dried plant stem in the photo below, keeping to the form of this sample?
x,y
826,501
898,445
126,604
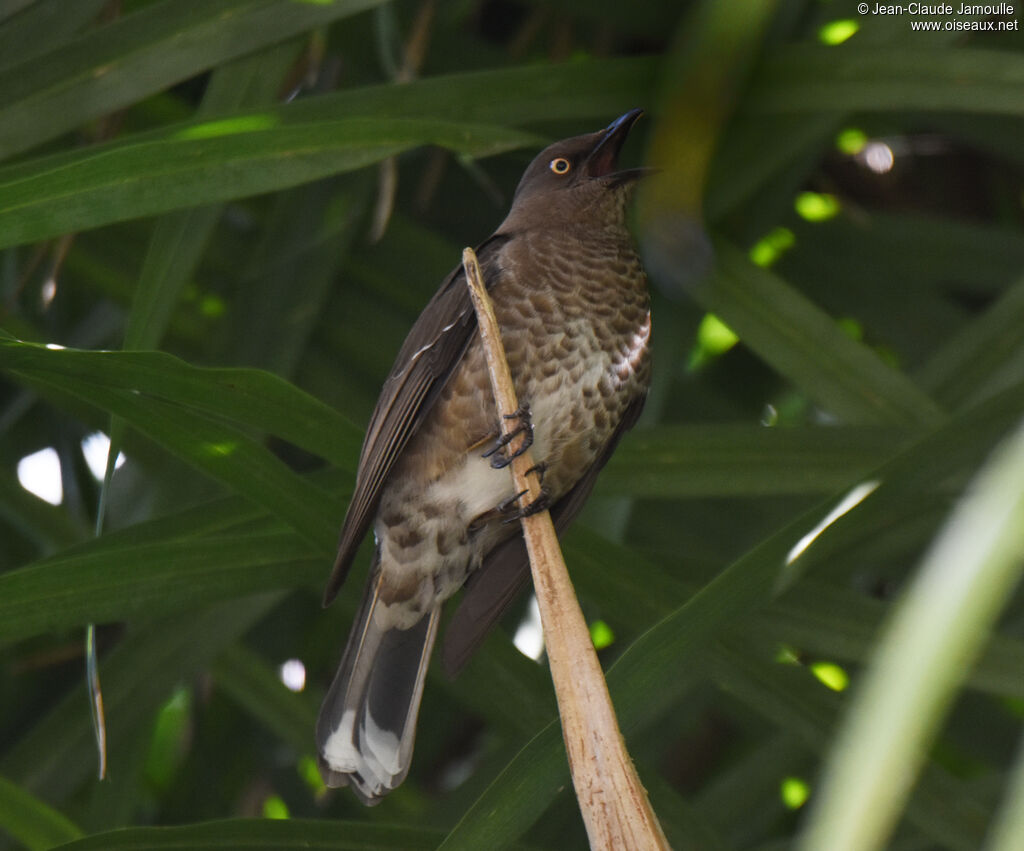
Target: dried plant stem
x,y
614,804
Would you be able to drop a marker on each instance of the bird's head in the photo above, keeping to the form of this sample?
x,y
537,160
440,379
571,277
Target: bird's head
x,y
569,178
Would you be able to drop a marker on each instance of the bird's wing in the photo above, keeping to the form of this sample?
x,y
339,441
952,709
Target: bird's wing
x,y
427,359
491,589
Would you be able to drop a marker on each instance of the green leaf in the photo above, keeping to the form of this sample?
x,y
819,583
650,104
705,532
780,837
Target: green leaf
x,y
831,622
735,460
751,785
153,569
263,833
141,53
225,454
804,78
807,346
248,679
944,807
924,653
42,26
58,753
261,401
755,150
103,581
987,350
31,822
1007,830
36,518
588,88
290,277
708,68
173,405
212,162
179,238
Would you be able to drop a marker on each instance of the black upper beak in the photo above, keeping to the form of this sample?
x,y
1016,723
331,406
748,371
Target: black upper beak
x,y
603,159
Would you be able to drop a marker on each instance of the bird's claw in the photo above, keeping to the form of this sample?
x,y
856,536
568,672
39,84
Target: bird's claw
x,y
500,460
506,504
541,503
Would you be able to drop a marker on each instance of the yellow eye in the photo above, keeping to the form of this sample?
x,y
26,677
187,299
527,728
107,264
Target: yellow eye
x,y
560,165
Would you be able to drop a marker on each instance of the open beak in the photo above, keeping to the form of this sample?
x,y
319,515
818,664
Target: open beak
x,y
603,159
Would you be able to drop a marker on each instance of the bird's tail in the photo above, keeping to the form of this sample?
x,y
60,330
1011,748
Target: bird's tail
x,y
367,724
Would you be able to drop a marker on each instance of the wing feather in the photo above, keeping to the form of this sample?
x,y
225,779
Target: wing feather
x,y
432,350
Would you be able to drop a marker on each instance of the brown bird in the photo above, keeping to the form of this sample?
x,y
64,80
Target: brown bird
x,y
571,300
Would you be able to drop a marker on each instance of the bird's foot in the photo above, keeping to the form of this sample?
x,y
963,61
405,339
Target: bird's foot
x,y
538,469
508,511
504,506
541,503
501,459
